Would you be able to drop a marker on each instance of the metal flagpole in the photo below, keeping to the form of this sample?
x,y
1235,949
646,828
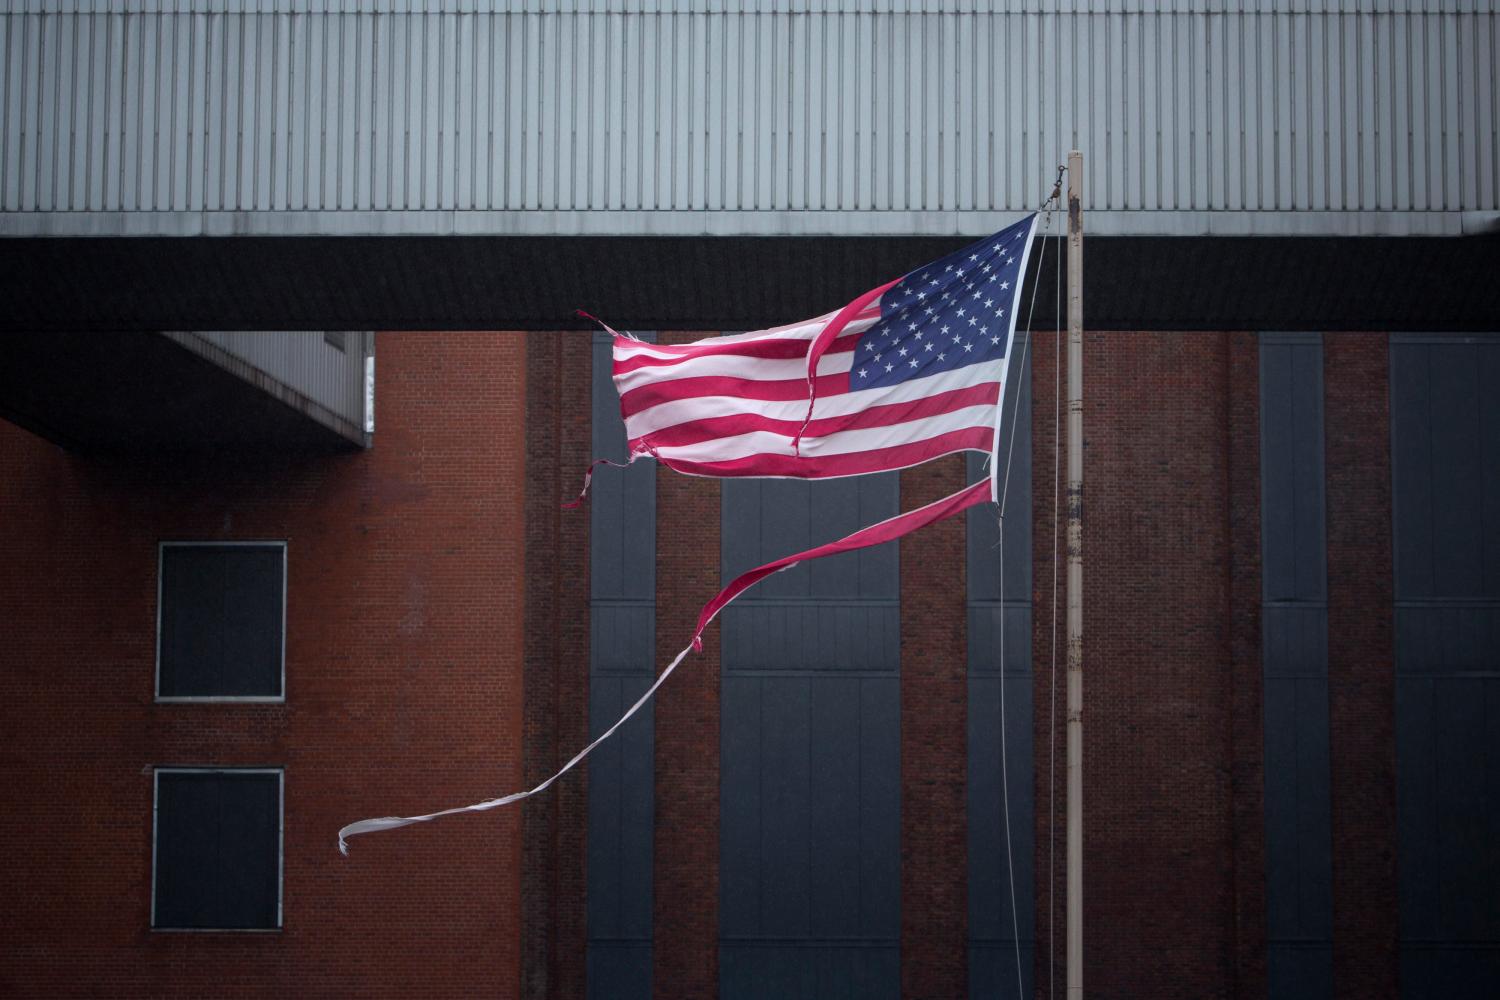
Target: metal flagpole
x,y
1075,576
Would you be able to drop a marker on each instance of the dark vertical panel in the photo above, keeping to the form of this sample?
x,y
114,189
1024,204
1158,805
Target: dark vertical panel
x,y
834,807
1411,469
191,647
785,847
636,812
810,772
1445,439
879,498
218,847
742,547
785,526
1277,477
248,876
1489,445
1468,862
1281,834
1314,845
1453,403
606,795
1307,495
835,515
622,541
740,863
993,935
1294,622
251,661
221,621
879,809
621,812
187,847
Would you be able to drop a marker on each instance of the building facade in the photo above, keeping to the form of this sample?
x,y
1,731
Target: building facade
x,y
268,572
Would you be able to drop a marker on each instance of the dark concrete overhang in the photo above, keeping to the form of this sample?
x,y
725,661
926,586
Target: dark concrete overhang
x,y
156,392
722,282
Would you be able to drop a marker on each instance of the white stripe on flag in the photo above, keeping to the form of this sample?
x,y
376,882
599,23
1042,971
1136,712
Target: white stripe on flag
x,y
737,366
689,408
805,330
728,449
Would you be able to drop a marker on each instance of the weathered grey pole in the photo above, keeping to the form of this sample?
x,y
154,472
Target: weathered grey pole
x,y
1075,576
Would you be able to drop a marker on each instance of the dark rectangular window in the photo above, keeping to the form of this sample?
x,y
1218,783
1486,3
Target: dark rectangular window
x,y
217,850
222,613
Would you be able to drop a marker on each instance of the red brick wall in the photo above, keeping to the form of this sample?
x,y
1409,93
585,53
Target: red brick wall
x,y
411,577
1361,665
1159,879
558,407
686,859
404,692
1049,674
934,749
1247,762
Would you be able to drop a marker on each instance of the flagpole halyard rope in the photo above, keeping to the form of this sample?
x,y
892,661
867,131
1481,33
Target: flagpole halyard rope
x,y
1004,496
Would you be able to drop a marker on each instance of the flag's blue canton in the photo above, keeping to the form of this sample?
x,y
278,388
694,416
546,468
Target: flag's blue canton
x,y
951,313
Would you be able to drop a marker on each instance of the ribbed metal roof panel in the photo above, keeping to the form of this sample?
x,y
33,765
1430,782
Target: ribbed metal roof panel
x,y
471,115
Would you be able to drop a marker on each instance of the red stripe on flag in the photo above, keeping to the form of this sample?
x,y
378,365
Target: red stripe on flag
x,y
823,343
773,349
868,313
695,431
771,390
832,466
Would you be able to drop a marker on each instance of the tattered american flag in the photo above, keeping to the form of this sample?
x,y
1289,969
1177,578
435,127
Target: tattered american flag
x,y
907,372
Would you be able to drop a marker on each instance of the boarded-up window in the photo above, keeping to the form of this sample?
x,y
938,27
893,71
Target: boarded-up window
x,y
222,613
218,850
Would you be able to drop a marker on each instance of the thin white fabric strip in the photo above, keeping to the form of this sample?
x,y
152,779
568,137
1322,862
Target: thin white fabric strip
x,y
392,822
858,539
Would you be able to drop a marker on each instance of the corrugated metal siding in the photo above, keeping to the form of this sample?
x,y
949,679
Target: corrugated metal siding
x,y
305,369
473,108
307,362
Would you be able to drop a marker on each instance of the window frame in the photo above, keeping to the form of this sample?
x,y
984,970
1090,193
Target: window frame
x,y
161,558
280,772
